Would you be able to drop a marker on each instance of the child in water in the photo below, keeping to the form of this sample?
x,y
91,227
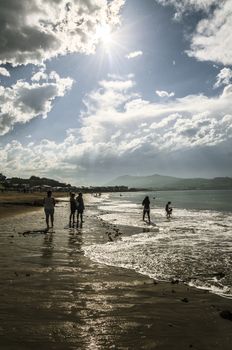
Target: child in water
x,y
168,210
146,208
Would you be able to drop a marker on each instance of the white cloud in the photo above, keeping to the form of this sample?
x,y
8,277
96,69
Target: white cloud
x,y
162,93
183,6
4,71
41,75
212,38
120,129
24,101
34,31
224,77
134,54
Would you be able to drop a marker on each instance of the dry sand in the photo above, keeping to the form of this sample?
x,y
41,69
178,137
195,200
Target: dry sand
x,y
14,203
53,297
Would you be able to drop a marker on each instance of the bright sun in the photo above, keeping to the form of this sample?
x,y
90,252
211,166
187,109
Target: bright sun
x,y
104,34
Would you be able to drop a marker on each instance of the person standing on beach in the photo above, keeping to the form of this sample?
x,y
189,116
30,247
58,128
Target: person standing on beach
x,y
49,205
73,208
80,207
168,210
146,208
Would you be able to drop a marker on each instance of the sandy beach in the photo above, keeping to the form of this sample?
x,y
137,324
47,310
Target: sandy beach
x,y
54,297
13,203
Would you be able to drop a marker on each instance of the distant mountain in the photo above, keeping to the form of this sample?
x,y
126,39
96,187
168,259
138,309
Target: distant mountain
x,y
161,182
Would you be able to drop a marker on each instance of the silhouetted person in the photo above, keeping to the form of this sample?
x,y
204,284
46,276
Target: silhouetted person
x,y
80,207
73,208
49,205
146,208
168,210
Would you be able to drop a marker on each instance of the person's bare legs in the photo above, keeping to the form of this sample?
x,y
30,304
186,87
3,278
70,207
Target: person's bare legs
x,y
148,215
47,220
71,219
52,219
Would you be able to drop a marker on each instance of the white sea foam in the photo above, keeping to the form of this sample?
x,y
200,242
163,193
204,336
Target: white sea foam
x,y
194,246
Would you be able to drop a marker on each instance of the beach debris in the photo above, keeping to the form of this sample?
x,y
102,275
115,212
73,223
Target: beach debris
x,y
226,314
220,275
185,300
175,281
29,232
110,238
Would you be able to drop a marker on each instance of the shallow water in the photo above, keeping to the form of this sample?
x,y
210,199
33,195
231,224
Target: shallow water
x,y
194,246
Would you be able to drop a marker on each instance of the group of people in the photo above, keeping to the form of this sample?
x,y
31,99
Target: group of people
x,y
146,209
76,208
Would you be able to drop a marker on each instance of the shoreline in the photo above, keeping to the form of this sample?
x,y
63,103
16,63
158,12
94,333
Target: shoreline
x,y
86,305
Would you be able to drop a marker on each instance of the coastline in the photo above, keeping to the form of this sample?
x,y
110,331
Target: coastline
x,y
55,297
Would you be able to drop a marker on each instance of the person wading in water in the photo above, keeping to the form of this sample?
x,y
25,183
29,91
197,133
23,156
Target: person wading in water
x,y
146,208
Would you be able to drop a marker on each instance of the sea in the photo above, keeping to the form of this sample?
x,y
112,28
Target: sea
x,y
194,246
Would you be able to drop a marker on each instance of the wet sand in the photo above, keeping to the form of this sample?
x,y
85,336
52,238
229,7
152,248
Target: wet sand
x,y
53,297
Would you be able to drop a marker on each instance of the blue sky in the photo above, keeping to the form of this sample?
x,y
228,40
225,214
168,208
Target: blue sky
x,y
91,90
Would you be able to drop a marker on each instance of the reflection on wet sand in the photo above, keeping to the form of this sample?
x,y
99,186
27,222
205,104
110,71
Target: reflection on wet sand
x,y
47,249
53,297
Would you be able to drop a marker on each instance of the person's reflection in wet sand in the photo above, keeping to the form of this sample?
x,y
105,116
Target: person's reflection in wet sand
x,y
75,242
47,248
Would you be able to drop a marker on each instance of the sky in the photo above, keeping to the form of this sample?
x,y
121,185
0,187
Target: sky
x,y
94,89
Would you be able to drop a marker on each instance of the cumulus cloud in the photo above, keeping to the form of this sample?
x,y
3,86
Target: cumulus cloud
x,y
4,71
120,130
162,93
212,38
41,75
134,54
183,6
24,101
224,77
34,31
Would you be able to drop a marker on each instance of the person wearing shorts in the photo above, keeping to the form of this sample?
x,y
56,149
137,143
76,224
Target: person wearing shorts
x,y
49,205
